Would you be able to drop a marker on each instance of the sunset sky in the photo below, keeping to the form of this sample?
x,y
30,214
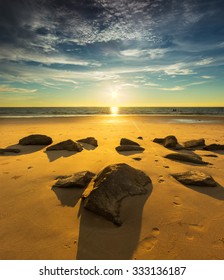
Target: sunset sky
x,y
112,53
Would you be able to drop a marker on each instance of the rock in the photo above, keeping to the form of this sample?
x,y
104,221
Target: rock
x,y
140,137
126,148
89,140
194,143
79,179
36,139
193,158
68,145
137,158
158,140
210,155
195,178
9,150
214,147
125,141
170,141
112,185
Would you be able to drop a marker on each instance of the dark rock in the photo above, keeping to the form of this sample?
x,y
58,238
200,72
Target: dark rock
x,y
36,139
89,140
194,143
214,147
140,137
79,179
170,141
68,145
9,150
126,148
137,158
195,178
158,140
125,141
210,156
193,158
112,185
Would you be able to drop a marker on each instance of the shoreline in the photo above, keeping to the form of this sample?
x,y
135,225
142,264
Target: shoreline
x,y
158,118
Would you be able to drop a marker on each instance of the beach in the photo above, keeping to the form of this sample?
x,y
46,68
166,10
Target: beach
x,y
172,222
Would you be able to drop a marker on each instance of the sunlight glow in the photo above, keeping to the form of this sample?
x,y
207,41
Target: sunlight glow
x,y
114,94
114,110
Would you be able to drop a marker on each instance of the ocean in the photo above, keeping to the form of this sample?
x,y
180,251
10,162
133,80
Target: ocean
x,y
32,112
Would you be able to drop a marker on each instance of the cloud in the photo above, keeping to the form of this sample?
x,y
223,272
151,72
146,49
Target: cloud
x,y
7,89
207,77
157,53
205,61
178,69
183,87
151,84
176,88
18,54
132,52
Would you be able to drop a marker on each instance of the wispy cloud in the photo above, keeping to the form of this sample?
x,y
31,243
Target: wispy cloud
x,y
183,87
176,88
7,89
18,54
205,61
207,77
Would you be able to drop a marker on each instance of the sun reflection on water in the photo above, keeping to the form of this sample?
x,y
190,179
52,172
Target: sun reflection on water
x,y
114,110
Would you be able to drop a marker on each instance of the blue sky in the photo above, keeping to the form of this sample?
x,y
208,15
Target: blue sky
x,y
112,53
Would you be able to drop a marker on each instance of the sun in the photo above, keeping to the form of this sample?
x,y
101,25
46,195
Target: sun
x,y
114,94
114,110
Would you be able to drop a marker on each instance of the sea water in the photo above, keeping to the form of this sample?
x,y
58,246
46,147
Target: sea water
x,y
31,112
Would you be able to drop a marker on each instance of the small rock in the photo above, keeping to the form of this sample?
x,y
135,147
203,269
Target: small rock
x,y
79,179
89,140
193,158
36,139
125,141
214,147
9,150
112,185
210,155
137,158
195,178
140,138
68,145
194,143
126,148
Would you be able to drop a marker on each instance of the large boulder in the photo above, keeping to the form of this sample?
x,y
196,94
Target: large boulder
x,y
79,179
111,186
193,158
195,178
36,139
89,140
126,148
125,141
214,147
194,143
68,145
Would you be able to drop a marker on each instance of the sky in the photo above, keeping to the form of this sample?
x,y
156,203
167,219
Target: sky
x,y
111,53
